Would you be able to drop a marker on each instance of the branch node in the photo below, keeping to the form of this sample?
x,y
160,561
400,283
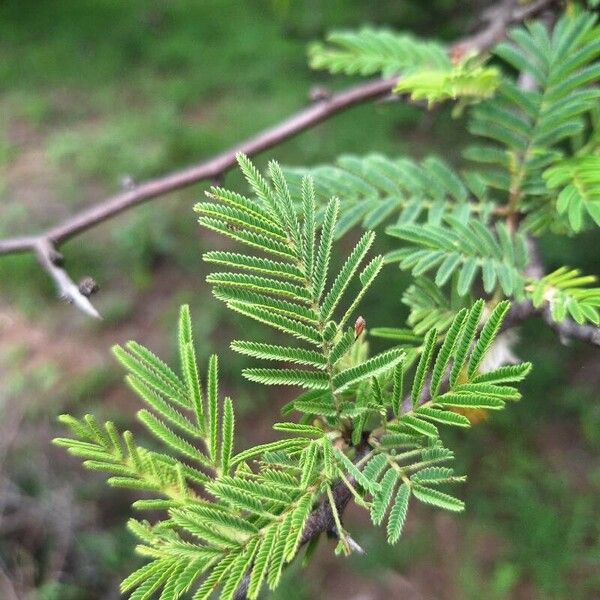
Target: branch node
x,y
88,286
318,93
128,183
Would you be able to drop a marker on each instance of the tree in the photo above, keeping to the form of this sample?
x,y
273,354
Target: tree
x,y
368,430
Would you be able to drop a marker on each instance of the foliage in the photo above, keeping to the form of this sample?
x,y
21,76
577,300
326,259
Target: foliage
x,y
376,188
579,183
426,69
358,430
370,51
454,247
430,307
368,424
467,80
566,293
528,127
469,230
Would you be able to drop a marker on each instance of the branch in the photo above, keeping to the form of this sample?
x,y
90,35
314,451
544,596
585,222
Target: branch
x,y
321,518
211,169
214,168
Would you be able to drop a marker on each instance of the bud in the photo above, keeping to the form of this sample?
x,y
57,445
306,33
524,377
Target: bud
x,y
359,326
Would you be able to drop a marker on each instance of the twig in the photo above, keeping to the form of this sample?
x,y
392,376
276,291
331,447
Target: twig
x,y
497,17
211,169
214,168
568,330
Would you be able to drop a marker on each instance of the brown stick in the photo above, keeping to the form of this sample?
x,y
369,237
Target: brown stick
x,y
212,168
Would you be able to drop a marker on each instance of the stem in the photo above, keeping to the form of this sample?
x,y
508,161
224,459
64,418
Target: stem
x,y
338,522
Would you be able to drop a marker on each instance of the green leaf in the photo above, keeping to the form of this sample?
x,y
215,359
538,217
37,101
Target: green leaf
x,y
373,469
383,498
398,514
261,562
505,374
369,485
152,374
437,498
213,408
308,460
420,426
345,275
324,250
396,333
163,408
299,428
308,231
168,437
454,246
436,476
192,380
398,390
227,435
370,368
342,346
264,266
487,336
370,51
466,339
469,401
443,358
313,380
423,366
298,520
282,353
444,416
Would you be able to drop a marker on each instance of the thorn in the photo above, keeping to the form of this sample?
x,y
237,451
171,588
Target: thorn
x,y
564,339
349,542
354,546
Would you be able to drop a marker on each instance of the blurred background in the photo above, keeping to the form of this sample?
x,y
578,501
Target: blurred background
x,y
96,91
